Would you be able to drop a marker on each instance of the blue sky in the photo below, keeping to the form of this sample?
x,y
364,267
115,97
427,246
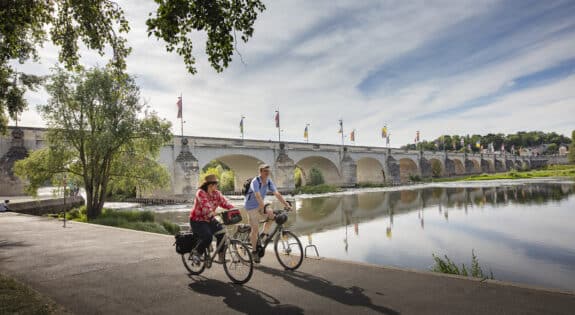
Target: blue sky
x,y
457,67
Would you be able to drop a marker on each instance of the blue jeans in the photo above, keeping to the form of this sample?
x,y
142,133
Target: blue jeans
x,y
205,231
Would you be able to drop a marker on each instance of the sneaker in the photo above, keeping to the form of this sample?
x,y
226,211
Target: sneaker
x,y
195,258
256,257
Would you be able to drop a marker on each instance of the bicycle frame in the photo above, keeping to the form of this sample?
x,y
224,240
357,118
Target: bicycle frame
x,y
279,228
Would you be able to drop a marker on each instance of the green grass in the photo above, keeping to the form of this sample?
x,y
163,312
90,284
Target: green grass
x,y
16,298
316,189
129,219
371,185
449,267
550,171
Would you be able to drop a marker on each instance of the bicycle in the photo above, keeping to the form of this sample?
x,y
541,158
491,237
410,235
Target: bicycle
x,y
237,258
287,245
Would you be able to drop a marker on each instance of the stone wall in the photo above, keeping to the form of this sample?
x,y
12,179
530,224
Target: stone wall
x,y
45,206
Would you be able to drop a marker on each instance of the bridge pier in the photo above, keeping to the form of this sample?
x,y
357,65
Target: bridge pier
x,y
186,172
284,171
394,172
10,184
499,165
449,167
348,169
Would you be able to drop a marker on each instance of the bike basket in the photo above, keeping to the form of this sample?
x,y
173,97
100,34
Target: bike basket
x,y
231,216
281,218
185,242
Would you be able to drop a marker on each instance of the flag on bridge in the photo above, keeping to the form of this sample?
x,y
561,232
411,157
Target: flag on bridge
x,y
277,118
305,132
417,136
242,125
384,132
340,126
478,144
179,104
352,136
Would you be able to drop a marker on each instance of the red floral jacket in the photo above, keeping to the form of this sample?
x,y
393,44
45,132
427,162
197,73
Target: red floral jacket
x,y
205,205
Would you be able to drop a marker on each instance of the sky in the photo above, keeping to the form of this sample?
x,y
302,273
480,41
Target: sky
x,y
440,67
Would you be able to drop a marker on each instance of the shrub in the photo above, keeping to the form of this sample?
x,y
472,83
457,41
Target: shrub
x,y
227,181
414,178
436,169
315,177
297,177
449,267
153,227
172,228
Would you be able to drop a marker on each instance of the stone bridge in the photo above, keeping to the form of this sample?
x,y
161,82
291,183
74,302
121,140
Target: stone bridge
x,y
342,166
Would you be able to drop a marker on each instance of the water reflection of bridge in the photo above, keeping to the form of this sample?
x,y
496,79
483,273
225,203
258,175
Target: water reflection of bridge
x,y
325,213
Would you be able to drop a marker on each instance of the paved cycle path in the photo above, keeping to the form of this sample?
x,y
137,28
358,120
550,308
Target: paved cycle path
x,y
92,269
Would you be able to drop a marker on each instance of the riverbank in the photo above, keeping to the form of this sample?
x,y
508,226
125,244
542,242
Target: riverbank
x,y
91,269
565,171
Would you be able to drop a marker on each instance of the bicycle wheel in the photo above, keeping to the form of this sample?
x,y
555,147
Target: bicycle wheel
x,y
289,251
239,265
243,237
195,265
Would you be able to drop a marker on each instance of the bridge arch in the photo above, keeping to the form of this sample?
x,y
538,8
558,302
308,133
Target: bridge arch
x,y
370,170
244,167
459,168
437,167
328,169
475,166
407,168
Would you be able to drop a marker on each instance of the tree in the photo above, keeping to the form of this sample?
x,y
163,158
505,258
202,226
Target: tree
x,y
315,177
221,19
572,148
25,25
98,24
552,148
99,133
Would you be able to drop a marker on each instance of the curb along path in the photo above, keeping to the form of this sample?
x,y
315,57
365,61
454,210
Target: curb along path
x,y
92,269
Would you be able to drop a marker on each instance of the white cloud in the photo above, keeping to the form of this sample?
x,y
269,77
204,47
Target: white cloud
x,y
309,57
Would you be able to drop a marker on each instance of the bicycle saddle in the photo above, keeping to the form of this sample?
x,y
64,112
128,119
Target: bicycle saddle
x,y
244,228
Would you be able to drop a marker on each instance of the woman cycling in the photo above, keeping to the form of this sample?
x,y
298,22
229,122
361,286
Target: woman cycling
x,y
202,220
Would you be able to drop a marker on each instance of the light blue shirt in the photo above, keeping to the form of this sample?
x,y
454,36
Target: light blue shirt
x,y
257,185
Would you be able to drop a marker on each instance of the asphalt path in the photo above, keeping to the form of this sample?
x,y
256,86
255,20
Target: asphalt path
x,y
92,269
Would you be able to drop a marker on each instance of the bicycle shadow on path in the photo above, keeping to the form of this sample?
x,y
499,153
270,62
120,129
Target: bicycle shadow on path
x,y
243,299
352,296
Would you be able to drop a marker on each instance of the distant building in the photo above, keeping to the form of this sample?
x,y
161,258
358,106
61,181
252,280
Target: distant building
x,y
563,150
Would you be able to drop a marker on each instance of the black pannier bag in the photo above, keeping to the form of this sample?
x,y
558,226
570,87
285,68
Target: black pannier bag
x,y
185,242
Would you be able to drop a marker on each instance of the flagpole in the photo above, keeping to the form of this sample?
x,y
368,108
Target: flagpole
x,y
182,117
278,125
242,126
342,134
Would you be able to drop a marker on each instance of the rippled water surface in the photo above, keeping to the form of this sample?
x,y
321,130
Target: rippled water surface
x,y
520,231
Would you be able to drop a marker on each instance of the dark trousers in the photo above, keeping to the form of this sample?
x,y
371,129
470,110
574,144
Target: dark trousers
x,y
205,231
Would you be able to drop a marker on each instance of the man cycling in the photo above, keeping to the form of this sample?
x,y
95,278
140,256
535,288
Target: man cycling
x,y
254,205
